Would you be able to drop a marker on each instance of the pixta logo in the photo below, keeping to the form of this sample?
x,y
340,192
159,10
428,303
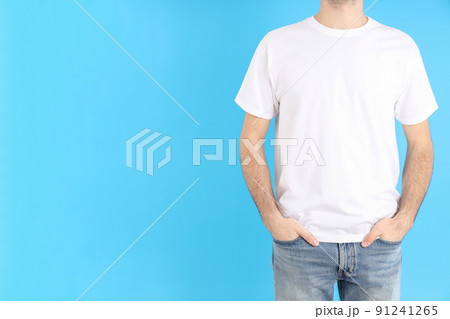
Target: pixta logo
x,y
141,149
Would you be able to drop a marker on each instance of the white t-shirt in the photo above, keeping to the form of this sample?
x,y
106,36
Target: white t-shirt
x,y
336,94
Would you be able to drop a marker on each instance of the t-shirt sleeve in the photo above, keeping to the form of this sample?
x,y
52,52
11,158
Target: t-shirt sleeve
x,y
416,101
256,95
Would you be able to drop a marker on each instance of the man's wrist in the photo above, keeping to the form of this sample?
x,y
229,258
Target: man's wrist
x,y
405,219
271,217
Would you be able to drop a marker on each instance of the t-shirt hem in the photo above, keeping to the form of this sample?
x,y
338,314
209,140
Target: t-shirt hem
x,y
340,239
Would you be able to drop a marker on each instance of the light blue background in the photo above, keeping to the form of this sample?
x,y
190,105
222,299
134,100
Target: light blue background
x,y
70,98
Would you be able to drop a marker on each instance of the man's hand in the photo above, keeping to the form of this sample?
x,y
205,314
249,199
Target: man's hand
x,y
285,229
390,229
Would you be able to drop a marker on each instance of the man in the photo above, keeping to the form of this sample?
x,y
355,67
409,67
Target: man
x,y
336,82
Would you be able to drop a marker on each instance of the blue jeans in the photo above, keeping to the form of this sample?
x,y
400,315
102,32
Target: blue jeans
x,y
305,272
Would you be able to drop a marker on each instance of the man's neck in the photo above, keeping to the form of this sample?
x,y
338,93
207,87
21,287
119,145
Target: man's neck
x,y
341,14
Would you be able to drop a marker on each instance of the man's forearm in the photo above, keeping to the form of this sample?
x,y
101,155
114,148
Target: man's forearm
x,y
257,177
416,179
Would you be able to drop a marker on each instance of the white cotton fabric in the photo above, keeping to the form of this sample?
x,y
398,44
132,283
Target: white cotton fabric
x,y
337,93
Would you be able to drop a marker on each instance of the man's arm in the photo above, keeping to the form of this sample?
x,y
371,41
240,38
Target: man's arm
x,y
415,181
257,176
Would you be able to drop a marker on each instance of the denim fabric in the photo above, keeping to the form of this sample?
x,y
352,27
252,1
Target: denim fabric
x,y
305,272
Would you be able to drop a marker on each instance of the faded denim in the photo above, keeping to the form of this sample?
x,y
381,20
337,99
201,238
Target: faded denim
x,y
305,272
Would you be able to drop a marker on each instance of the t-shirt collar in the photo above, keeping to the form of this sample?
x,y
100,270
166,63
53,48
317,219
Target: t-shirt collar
x,y
340,32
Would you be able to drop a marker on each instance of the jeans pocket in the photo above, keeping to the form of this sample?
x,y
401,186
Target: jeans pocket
x,y
287,242
388,242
